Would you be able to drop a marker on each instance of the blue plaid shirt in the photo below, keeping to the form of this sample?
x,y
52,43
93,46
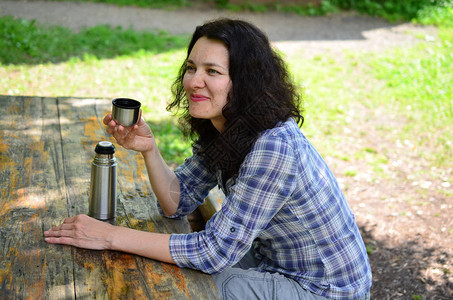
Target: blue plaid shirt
x,y
286,203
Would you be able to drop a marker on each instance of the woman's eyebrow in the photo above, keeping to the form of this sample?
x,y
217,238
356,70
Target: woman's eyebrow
x,y
209,64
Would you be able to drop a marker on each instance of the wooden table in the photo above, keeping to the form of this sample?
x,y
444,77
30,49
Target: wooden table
x,y
46,147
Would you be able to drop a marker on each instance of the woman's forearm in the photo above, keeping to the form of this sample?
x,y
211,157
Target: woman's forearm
x,y
88,233
163,180
147,244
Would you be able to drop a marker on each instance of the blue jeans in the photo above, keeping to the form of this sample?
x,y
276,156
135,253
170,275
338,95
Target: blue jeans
x,y
243,282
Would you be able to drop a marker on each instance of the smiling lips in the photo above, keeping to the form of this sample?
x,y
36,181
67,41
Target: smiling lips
x,y
198,98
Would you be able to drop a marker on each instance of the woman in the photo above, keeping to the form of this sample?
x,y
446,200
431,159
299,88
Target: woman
x,y
285,229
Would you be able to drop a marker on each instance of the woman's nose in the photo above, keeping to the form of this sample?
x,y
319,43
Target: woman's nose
x,y
197,80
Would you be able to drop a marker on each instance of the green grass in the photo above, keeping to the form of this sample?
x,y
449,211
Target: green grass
x,y
440,15
410,87
22,42
435,12
418,85
170,141
418,79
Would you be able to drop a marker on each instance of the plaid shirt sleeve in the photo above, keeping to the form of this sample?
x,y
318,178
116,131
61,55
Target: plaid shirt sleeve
x,y
195,182
266,178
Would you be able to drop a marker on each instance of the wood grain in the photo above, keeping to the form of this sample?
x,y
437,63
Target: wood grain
x,y
46,147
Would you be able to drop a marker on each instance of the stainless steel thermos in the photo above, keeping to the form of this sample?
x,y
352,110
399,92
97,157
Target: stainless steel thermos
x,y
103,182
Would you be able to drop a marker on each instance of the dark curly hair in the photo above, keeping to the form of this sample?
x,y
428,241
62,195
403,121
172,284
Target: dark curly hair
x,y
262,95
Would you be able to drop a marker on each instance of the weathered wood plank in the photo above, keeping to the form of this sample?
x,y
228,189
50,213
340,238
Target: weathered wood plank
x,y
212,204
30,186
98,273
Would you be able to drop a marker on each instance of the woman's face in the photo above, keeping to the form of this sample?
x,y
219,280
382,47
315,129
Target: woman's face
x,y
207,81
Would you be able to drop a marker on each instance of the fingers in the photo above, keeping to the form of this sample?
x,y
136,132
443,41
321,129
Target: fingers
x,y
120,128
111,124
59,240
63,230
107,119
116,130
54,232
59,235
69,220
67,225
80,231
122,134
66,233
132,137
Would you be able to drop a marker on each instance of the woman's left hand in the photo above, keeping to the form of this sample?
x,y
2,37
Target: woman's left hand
x,y
81,231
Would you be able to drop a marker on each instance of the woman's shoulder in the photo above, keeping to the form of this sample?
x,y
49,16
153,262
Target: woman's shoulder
x,y
286,130
285,134
284,137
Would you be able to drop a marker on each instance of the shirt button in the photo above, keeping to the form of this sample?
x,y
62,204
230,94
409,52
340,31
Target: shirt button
x,y
232,229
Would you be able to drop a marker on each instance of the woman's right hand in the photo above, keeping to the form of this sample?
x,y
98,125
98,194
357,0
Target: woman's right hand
x,y
138,137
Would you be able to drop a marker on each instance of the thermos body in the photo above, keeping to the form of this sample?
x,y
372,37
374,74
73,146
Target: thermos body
x,y
102,204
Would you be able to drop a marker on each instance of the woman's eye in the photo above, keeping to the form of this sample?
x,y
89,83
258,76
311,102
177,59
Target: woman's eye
x,y
190,68
211,71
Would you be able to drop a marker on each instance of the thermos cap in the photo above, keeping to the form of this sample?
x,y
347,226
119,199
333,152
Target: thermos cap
x,y
104,147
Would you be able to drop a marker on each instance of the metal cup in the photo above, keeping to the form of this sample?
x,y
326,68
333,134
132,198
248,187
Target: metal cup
x,y
125,111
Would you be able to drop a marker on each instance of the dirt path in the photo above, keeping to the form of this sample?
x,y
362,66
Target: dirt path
x,y
289,31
